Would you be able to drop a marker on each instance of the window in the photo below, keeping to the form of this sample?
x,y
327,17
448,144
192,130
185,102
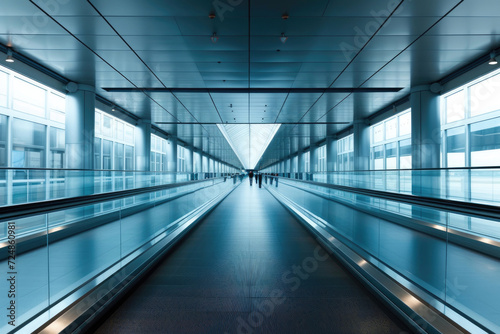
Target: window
x,y
455,147
3,141
113,143
158,154
57,147
35,114
181,159
471,126
405,154
307,162
20,99
57,108
28,141
345,153
28,97
485,143
484,96
322,158
196,162
455,107
390,142
4,84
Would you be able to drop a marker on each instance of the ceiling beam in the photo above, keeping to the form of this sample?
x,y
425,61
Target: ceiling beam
x,y
254,90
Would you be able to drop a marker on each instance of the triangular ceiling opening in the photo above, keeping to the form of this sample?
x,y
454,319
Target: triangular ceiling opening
x,y
249,141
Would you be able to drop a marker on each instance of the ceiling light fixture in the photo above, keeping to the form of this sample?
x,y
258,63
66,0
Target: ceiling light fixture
x,y
283,38
493,60
10,58
214,38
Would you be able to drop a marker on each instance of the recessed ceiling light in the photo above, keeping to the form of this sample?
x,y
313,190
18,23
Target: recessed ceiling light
x,y
493,60
10,58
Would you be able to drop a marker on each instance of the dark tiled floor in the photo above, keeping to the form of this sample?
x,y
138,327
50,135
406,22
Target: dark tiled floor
x,y
235,274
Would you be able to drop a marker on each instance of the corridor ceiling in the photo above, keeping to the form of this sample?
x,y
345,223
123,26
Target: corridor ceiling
x,y
339,50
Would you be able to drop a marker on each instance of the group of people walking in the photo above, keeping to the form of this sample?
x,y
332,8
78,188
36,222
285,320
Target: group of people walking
x,y
258,178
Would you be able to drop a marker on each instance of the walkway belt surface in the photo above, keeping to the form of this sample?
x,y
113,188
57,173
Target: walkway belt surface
x,y
250,267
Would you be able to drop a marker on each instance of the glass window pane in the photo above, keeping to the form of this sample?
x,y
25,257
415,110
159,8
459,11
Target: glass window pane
x,y
405,124
152,165
455,147
107,126
4,77
158,144
153,143
378,157
28,98
97,127
97,153
106,154
57,139
391,128
405,154
118,157
57,147
484,96
391,156
3,141
378,133
129,157
57,105
25,133
485,143
118,130
455,107
129,134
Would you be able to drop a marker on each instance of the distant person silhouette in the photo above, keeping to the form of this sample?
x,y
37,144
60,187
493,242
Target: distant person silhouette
x,y
250,176
260,180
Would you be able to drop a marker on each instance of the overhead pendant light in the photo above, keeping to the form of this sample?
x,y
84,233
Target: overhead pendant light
x,y
283,38
493,60
214,38
10,58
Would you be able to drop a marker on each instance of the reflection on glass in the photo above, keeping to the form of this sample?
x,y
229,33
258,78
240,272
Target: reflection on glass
x,y
485,143
391,129
3,88
378,157
28,98
455,107
391,156
484,96
405,154
405,124
455,147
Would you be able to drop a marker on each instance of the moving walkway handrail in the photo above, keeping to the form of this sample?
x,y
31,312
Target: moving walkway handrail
x,y
35,208
406,170
468,208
